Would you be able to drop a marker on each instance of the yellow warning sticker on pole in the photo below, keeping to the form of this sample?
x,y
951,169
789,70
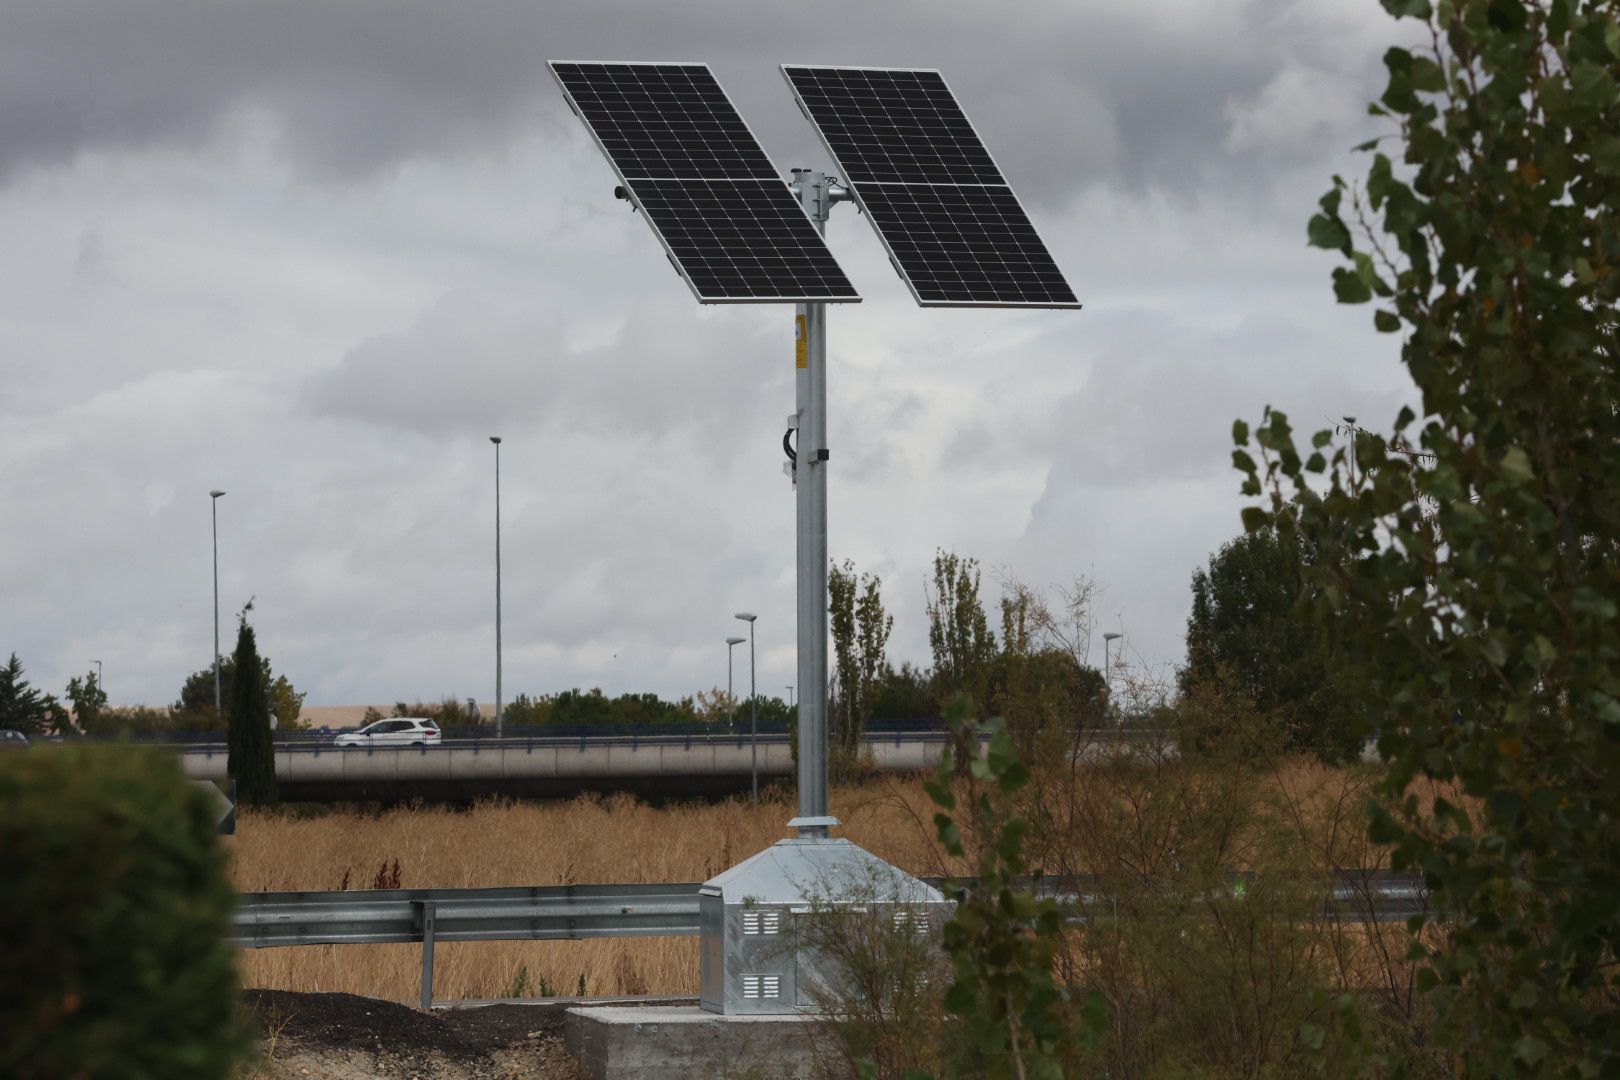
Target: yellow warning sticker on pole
x,y
801,344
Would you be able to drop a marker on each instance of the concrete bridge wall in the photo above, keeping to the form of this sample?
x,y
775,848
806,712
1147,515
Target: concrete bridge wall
x,y
653,767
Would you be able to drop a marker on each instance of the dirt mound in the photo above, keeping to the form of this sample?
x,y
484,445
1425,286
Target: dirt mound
x,y
344,1036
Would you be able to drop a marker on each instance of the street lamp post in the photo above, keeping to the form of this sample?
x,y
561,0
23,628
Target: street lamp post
x,y
213,503
731,703
1108,668
790,697
753,705
496,439
100,685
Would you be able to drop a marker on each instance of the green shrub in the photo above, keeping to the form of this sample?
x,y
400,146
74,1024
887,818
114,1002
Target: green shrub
x,y
113,953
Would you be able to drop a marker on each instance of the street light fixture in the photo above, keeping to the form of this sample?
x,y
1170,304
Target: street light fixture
x,y
731,702
213,497
753,705
496,439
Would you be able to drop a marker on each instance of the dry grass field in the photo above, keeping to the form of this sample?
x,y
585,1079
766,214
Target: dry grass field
x,y
616,840
587,840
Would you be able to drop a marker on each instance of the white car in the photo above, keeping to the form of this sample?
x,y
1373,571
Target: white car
x,y
395,731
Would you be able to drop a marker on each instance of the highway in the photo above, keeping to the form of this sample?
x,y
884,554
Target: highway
x,y
537,765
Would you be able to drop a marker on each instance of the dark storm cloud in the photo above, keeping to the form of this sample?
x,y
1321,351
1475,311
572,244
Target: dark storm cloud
x,y
1071,93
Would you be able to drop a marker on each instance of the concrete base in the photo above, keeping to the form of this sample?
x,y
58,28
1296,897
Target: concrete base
x,y
671,1042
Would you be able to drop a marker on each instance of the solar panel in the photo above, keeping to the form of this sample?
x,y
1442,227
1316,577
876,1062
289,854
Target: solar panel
x,y
730,224
953,227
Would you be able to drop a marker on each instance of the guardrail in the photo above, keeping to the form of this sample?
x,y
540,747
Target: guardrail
x,y
571,912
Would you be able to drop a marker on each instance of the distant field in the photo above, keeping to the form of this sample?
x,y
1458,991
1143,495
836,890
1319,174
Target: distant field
x,y
587,840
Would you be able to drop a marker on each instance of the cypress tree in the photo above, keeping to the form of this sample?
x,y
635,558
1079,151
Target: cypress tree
x,y
252,760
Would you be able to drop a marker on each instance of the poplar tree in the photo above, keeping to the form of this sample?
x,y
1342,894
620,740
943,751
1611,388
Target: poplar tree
x,y
1470,560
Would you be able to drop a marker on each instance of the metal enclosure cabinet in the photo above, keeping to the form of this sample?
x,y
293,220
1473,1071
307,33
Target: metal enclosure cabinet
x,y
751,920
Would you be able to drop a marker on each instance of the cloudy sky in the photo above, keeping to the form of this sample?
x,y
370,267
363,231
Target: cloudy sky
x,y
314,254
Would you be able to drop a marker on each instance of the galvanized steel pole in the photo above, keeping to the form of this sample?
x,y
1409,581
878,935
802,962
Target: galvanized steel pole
x,y
753,714
753,704
496,439
817,192
213,503
731,701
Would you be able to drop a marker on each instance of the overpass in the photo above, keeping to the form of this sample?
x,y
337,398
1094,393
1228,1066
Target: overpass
x,y
548,766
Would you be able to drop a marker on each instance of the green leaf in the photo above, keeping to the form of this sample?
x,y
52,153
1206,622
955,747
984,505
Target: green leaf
x,y
1312,1036
1530,1050
1426,75
1368,273
1379,182
1012,838
1349,288
1001,753
1590,84
1014,777
1254,519
1516,466
962,997
1605,154
1387,322
1328,232
1525,996
1408,9
1507,15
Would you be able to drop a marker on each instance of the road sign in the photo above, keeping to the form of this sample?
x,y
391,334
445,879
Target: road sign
x,y
223,796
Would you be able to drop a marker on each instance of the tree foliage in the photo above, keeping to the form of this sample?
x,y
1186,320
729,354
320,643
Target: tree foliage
x,y
860,633
23,708
1040,682
252,760
89,702
1002,939
1474,558
959,634
117,959
1245,634
194,709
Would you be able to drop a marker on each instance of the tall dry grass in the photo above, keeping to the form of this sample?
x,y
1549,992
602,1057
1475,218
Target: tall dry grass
x,y
621,840
586,841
